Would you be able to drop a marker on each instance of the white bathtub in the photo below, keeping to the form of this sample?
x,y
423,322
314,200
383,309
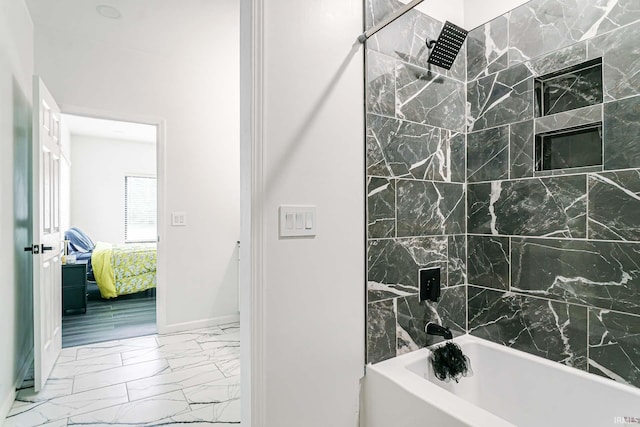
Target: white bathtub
x,y
508,388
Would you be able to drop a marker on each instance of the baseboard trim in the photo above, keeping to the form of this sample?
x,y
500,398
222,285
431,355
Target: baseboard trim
x,y
198,324
7,403
8,400
24,369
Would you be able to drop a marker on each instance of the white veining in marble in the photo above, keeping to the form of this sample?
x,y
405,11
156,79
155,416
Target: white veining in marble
x,y
178,380
85,366
112,347
223,414
166,351
139,412
215,392
39,413
120,375
55,388
183,378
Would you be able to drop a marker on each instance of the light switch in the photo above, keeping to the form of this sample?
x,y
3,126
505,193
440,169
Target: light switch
x,y
308,220
297,221
178,219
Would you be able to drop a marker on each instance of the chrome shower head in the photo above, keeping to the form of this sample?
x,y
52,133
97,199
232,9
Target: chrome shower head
x,y
446,48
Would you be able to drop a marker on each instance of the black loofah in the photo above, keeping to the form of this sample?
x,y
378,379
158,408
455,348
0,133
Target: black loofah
x,y
449,362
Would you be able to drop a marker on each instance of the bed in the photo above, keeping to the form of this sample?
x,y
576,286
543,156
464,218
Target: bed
x,y
116,269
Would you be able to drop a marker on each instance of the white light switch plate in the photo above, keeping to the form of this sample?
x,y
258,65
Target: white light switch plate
x,y
297,220
178,219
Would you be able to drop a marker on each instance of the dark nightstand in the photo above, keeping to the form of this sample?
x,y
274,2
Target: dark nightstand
x,y
74,288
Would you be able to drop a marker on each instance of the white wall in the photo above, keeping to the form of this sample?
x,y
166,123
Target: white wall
x,y
313,312
197,94
98,170
16,321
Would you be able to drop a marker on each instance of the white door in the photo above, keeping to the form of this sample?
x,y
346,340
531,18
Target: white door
x,y
47,245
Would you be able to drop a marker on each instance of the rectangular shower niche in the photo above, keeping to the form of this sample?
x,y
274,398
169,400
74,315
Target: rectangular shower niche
x,y
574,87
577,147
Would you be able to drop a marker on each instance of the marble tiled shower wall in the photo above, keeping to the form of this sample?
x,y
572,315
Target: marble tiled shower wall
x,y
554,258
415,177
547,263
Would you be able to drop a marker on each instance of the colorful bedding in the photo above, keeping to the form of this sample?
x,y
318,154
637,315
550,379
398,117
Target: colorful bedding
x,y
126,269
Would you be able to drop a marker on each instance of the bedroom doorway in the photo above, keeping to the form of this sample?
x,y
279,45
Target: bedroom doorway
x,y
109,201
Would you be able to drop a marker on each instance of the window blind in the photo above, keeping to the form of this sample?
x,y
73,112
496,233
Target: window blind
x,y
140,204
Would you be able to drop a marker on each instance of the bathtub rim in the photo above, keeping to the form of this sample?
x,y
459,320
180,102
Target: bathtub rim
x,y
397,371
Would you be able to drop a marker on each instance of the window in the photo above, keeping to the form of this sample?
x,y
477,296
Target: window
x,y
140,217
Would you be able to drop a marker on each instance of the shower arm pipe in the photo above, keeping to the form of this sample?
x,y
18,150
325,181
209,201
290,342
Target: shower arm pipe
x,y
388,20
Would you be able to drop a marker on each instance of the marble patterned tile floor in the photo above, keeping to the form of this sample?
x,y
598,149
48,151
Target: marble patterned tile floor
x,y
158,380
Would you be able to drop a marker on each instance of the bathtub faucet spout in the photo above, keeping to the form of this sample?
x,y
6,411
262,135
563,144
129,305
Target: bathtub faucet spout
x,y
435,329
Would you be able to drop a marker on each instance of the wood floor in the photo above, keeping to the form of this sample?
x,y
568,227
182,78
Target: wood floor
x,y
127,316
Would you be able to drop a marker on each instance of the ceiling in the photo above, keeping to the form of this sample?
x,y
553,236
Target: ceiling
x,y
178,29
164,27
109,129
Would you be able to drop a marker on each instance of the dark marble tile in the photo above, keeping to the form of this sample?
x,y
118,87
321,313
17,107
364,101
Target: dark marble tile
x,y
559,59
614,205
553,330
542,26
397,35
410,150
456,143
501,98
429,98
375,139
555,206
413,316
377,10
621,130
430,208
381,331
381,84
620,51
381,207
480,220
406,38
393,265
487,48
576,88
521,149
457,256
569,119
599,274
488,261
488,155
614,346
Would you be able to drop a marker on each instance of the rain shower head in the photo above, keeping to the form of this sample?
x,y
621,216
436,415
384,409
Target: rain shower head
x,y
446,48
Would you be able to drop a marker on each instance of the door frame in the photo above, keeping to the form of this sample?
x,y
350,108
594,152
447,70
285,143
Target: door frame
x,y
252,194
160,124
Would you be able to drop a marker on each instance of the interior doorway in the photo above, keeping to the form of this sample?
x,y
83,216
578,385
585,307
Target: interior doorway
x,y
109,189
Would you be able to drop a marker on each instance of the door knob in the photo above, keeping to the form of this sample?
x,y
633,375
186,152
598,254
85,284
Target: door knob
x,y
46,248
35,249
